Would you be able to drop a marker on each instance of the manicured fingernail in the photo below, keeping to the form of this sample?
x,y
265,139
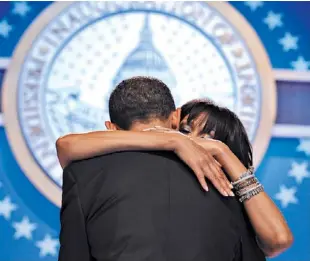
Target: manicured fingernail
x,y
231,194
225,194
206,188
231,186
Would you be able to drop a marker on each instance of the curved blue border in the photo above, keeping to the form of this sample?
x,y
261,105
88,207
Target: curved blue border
x,y
18,97
250,53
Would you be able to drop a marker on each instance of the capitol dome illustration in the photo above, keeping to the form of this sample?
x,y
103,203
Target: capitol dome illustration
x,y
145,60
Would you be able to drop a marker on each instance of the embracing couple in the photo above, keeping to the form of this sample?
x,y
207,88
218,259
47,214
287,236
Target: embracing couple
x,y
165,184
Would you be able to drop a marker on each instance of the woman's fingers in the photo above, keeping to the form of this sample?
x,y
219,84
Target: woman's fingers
x,y
202,180
218,164
225,183
215,174
204,166
223,179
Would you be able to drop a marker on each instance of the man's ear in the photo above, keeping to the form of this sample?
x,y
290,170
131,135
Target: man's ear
x,y
175,119
110,126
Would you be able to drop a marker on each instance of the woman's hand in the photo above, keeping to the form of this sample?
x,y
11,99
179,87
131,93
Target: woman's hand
x,y
200,160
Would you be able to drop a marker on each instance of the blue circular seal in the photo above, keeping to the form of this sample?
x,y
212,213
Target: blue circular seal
x,y
77,52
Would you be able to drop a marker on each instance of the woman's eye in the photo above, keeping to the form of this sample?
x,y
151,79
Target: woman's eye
x,y
184,131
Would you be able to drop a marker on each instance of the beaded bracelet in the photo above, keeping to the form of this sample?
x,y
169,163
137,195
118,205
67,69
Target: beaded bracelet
x,y
251,193
247,185
251,180
243,191
245,175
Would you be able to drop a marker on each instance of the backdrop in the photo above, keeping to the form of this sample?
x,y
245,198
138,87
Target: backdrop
x,y
59,62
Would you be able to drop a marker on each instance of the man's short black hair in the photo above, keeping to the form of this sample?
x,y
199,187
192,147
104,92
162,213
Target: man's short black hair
x,y
140,99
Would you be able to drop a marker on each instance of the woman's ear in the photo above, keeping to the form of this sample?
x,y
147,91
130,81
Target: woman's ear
x,y
175,119
110,126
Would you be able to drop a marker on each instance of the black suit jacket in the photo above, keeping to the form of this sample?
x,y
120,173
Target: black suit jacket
x,y
148,206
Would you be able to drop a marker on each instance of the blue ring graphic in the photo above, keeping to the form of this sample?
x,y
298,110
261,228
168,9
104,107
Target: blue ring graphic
x,y
252,59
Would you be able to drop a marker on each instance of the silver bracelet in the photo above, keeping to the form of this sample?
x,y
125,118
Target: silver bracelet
x,y
235,183
248,172
245,190
244,176
248,182
249,189
251,193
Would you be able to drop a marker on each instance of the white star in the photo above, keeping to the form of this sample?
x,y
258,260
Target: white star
x,y
289,42
299,171
300,64
304,146
254,4
24,228
5,28
273,20
48,246
21,8
7,207
286,196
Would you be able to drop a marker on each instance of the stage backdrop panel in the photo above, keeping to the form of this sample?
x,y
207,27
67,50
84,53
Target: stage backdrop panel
x,y
60,61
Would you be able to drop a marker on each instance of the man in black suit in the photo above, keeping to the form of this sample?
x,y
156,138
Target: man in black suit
x,y
147,206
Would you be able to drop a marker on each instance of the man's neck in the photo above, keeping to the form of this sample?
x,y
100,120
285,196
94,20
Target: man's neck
x,y
139,126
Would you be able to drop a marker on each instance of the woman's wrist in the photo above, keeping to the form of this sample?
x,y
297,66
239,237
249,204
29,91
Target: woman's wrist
x,y
234,168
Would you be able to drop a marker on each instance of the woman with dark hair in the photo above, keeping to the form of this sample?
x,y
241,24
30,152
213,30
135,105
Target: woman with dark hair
x,y
220,124
220,132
